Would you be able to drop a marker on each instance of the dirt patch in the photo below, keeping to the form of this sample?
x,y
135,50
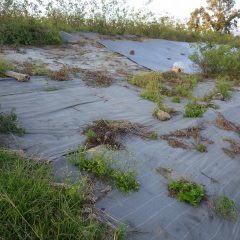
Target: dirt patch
x,y
222,123
182,138
234,149
96,78
165,172
104,132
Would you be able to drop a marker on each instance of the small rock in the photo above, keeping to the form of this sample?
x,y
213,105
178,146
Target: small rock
x,y
218,96
177,69
163,116
132,52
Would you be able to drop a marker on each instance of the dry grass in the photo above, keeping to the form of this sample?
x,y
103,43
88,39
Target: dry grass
x,y
33,69
178,139
110,132
60,75
234,149
222,123
96,78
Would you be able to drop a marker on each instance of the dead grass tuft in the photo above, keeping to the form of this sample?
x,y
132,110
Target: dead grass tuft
x,y
222,123
33,69
96,78
110,132
178,139
60,75
234,149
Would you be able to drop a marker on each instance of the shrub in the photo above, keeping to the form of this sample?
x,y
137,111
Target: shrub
x,y
226,208
186,191
9,123
194,110
32,208
103,166
215,60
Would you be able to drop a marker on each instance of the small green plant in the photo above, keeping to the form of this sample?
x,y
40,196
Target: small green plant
x,y
5,65
186,191
120,234
90,134
154,136
103,166
176,99
223,87
34,69
225,208
194,110
9,123
201,148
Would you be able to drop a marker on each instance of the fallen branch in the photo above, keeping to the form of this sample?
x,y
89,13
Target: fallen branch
x,y
18,76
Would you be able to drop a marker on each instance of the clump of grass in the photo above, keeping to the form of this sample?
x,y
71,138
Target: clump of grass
x,y
105,132
226,208
60,75
120,233
9,124
194,110
186,191
5,65
96,78
102,166
34,69
33,208
201,148
176,99
223,87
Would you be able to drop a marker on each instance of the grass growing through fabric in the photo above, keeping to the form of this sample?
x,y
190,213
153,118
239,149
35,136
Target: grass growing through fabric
x,y
60,75
225,208
186,191
194,110
176,99
102,166
201,148
109,133
9,124
34,69
32,208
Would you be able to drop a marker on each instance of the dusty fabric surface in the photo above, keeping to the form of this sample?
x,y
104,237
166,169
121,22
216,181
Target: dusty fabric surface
x,y
54,121
155,54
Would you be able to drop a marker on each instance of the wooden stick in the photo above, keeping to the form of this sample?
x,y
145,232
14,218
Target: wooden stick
x,y
18,76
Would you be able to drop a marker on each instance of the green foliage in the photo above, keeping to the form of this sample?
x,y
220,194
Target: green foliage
x,y
103,166
186,85
90,134
201,148
176,99
24,23
50,89
32,208
120,233
226,208
194,110
223,87
186,191
215,60
26,31
9,124
5,65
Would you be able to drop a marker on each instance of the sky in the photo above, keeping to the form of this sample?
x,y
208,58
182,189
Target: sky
x,y
179,9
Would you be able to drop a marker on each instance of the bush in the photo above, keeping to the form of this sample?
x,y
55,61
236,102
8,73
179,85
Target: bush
x,y
32,208
26,31
215,60
186,191
194,110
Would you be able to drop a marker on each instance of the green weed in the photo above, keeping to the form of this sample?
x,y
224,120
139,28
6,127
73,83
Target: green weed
x,y
9,123
50,89
201,148
176,99
32,208
226,208
194,110
120,233
186,191
103,166
5,65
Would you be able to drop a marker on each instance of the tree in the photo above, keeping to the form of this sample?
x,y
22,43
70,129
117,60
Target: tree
x,y
219,16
